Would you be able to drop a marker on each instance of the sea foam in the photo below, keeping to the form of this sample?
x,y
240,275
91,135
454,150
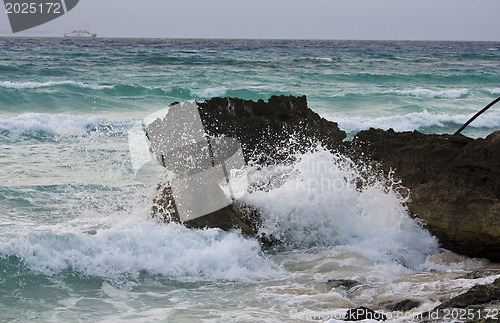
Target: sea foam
x,y
45,124
321,199
493,91
431,94
415,121
128,246
36,85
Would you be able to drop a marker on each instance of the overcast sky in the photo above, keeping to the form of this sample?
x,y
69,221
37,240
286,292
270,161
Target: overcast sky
x,y
279,19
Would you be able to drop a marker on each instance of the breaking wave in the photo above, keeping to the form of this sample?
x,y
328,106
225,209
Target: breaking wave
x,y
48,125
209,92
494,91
432,94
129,247
36,85
415,121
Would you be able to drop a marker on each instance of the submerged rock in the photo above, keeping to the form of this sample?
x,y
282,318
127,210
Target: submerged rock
x,y
401,306
454,184
343,283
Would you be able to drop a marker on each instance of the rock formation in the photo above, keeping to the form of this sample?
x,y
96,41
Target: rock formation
x,y
454,180
454,184
269,130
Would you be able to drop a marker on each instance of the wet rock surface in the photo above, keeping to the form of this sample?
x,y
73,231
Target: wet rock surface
x,y
267,131
401,306
233,216
481,303
477,295
454,183
266,128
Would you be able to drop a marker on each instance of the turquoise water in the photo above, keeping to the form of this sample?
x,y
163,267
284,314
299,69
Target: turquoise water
x,y
429,86
76,239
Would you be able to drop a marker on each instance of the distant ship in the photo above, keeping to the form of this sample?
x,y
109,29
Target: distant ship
x,y
80,34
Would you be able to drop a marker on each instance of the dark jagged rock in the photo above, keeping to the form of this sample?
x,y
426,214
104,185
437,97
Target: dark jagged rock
x,y
454,183
267,129
268,132
363,313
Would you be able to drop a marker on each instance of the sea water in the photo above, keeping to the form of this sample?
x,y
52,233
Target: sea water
x,y
76,238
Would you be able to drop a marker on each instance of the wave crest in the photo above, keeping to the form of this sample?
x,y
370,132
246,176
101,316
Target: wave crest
x,y
45,124
494,91
209,92
414,121
37,85
130,246
431,94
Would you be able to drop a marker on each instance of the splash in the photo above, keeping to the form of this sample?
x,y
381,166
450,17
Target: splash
x,y
324,199
208,92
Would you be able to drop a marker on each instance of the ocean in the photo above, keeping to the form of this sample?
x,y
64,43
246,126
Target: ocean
x,y
76,238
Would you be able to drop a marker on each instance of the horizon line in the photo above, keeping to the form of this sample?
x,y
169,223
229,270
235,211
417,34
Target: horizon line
x,y
260,39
